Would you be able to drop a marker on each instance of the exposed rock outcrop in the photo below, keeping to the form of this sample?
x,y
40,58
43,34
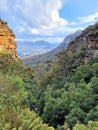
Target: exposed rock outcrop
x,y
88,41
7,37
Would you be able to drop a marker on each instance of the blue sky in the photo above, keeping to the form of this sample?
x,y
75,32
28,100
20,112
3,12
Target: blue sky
x,y
48,19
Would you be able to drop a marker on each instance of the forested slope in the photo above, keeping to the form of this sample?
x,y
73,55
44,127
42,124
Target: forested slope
x,y
65,98
69,92
15,113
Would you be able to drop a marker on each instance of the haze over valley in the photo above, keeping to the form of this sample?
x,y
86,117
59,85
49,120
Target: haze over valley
x,y
29,48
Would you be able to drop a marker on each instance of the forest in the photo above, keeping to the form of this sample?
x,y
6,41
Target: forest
x,y
64,98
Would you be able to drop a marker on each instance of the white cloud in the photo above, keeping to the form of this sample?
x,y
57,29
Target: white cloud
x,y
20,29
73,23
3,5
42,16
38,17
33,30
89,18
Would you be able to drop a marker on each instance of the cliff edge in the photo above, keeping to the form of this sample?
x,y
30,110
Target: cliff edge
x,y
7,38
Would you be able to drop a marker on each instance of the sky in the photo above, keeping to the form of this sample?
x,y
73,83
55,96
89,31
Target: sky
x,y
49,20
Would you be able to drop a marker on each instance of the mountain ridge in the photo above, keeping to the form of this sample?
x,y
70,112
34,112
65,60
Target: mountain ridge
x,y
57,96
51,54
88,40
31,48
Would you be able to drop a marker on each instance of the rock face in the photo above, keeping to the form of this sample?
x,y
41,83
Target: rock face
x,y
7,37
88,41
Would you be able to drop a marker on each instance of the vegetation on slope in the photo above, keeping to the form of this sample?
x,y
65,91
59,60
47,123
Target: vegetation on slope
x,y
65,98
14,114
68,94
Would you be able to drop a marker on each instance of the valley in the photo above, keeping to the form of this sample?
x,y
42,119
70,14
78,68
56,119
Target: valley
x,y
50,96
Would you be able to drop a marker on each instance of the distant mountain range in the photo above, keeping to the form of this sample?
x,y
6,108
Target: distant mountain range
x,y
27,48
32,60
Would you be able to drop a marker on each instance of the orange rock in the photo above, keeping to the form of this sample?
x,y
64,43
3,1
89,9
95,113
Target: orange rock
x,y
7,39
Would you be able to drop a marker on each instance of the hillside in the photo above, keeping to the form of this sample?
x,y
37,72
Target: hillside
x,y
14,79
88,41
38,59
65,98
66,41
74,77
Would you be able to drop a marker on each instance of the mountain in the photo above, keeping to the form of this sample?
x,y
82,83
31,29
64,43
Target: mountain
x,y
79,52
57,96
70,89
66,41
87,42
30,60
29,48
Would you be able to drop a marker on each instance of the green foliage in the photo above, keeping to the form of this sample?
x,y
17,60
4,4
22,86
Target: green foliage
x,y
95,69
54,110
68,99
66,95
13,114
91,126
15,80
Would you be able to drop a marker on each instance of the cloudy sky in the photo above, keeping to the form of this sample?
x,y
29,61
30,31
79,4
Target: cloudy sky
x,y
48,19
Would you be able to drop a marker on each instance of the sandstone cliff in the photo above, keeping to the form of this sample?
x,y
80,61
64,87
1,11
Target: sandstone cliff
x,y
7,37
